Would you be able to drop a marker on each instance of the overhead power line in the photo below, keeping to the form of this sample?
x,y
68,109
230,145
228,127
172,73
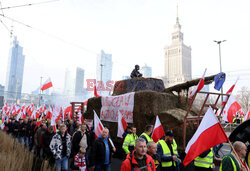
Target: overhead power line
x,y
25,5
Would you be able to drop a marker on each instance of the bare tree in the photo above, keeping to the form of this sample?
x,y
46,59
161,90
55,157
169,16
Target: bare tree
x,y
243,97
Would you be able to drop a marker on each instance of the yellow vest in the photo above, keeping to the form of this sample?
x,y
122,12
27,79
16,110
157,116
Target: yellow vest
x,y
205,162
234,166
167,152
149,139
129,141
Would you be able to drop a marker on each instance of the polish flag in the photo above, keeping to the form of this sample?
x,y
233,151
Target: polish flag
x,y
47,84
231,108
209,134
158,131
95,92
247,116
3,120
229,92
122,125
55,116
98,125
198,87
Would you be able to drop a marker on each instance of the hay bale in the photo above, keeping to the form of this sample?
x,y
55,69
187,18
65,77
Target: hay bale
x,y
138,84
147,104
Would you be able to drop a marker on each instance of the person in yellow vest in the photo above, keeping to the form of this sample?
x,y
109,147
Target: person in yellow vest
x,y
147,134
167,149
205,161
129,141
231,163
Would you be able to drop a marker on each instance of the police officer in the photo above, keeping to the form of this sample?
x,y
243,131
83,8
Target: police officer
x,y
129,141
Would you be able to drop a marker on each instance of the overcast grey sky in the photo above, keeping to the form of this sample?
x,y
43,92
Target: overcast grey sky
x,y
70,33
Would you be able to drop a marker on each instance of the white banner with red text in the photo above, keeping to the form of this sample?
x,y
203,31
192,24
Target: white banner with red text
x,y
111,104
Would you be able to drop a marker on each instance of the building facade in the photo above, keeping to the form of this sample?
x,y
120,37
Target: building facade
x,y
177,62
1,90
79,85
69,83
104,69
15,68
146,71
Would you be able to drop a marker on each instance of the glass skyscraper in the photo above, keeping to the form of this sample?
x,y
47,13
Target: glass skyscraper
x,y
15,68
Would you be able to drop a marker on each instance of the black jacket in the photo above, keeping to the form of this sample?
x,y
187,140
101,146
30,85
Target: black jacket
x,y
98,152
75,142
135,73
46,142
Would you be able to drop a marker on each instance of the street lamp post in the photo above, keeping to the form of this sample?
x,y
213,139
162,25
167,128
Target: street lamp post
x,y
219,42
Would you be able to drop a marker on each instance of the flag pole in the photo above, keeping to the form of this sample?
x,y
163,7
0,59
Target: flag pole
x,y
238,158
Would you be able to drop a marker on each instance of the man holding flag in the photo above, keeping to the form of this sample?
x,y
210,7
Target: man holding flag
x,y
233,161
100,158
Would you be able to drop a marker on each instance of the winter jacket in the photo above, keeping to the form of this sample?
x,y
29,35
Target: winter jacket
x,y
47,137
76,140
80,162
130,163
97,154
56,145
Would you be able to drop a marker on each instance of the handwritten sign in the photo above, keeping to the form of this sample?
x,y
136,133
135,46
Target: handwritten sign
x,y
111,104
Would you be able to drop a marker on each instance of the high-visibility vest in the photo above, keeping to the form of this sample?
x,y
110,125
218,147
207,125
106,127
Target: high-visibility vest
x,y
234,165
205,162
149,139
129,141
167,152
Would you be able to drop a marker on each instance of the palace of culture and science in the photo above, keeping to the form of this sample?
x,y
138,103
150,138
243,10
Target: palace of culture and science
x,y
177,59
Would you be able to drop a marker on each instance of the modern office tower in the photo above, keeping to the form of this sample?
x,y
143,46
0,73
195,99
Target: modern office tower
x,y
104,69
79,84
15,68
146,71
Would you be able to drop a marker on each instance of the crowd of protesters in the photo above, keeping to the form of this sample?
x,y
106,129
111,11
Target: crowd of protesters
x,y
73,146
67,145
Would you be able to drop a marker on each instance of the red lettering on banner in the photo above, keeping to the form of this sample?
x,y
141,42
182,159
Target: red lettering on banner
x,y
90,84
109,86
114,101
120,101
100,86
127,100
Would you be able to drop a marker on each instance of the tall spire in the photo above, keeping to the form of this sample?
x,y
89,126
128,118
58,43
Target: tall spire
x,y
177,16
177,25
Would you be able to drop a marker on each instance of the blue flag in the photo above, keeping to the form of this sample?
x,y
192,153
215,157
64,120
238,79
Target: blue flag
x,y
219,80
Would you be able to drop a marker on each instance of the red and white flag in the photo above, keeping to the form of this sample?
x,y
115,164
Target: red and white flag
x,y
198,87
98,125
47,84
209,134
232,107
247,116
122,125
158,131
229,92
95,92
